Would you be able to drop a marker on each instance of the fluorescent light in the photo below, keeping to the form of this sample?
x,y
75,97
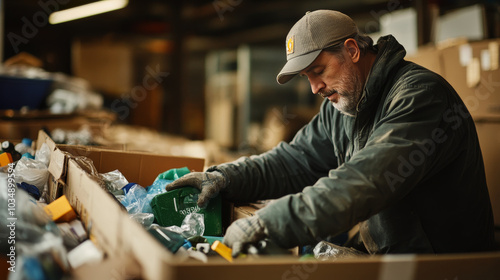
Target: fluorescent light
x,y
87,10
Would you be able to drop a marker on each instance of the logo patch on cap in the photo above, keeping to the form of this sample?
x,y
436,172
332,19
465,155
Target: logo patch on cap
x,y
290,45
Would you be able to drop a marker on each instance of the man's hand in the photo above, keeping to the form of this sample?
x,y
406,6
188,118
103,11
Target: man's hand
x,y
209,184
244,232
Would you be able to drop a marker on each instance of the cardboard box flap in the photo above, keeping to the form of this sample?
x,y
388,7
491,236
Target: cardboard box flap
x,y
137,167
44,138
56,168
57,165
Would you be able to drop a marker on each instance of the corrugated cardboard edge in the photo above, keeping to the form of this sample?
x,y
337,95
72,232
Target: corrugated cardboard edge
x,y
57,166
470,266
109,224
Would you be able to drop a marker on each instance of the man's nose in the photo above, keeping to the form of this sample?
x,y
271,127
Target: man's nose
x,y
316,86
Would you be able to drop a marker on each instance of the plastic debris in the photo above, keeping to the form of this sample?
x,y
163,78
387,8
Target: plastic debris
x,y
114,180
197,255
33,172
203,247
43,154
222,250
37,238
135,200
325,251
171,240
170,209
32,190
173,174
192,225
25,147
145,219
85,253
60,210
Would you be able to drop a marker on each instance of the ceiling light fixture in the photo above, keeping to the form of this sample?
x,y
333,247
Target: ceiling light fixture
x,y
87,10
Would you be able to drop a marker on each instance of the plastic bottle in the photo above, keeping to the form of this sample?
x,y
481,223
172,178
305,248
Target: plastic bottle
x,y
24,147
8,147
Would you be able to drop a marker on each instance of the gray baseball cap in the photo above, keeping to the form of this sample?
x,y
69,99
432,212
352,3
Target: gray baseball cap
x,y
310,35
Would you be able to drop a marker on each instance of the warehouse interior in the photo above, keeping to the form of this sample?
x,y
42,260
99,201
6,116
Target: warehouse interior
x,y
177,39
197,79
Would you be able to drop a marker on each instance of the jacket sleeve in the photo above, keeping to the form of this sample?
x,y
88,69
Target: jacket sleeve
x,y
285,169
417,134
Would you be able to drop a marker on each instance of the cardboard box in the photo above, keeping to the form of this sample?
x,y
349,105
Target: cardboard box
x,y
122,238
467,266
473,70
108,67
428,57
137,167
489,139
57,166
108,223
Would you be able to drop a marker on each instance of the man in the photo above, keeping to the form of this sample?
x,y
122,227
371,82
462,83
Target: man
x,y
397,153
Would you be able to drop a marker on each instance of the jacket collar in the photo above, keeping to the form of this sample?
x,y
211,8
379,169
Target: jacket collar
x,y
390,54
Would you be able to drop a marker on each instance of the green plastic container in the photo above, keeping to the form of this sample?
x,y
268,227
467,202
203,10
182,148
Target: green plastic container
x,y
172,207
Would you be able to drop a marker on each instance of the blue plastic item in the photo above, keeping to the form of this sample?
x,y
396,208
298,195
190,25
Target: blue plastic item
x,y
16,92
30,189
27,142
127,187
28,155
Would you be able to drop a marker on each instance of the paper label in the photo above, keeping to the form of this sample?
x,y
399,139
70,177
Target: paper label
x,y
465,53
485,60
493,48
473,73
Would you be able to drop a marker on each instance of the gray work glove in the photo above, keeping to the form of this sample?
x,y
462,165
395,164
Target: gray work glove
x,y
244,232
209,184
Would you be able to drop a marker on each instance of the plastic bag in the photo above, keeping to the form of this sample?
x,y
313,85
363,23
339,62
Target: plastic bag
x,y
135,199
173,174
324,251
138,199
145,219
114,180
192,225
33,172
43,154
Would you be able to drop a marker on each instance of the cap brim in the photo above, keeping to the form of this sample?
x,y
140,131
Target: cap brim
x,y
295,65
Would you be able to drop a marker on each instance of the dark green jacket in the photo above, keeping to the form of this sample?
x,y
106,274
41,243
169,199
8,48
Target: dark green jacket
x,y
408,167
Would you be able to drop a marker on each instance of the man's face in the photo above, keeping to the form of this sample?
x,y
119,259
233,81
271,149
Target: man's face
x,y
336,78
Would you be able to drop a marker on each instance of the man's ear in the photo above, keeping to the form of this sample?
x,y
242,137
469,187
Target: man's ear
x,y
352,49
